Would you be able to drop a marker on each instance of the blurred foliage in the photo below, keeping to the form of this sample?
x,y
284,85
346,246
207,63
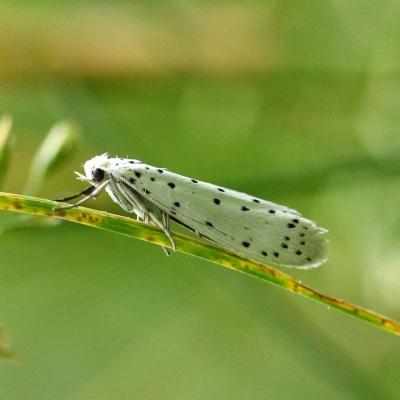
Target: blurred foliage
x,y
5,347
56,148
6,140
293,102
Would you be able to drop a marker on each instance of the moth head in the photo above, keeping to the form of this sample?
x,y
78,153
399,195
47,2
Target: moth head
x,y
95,169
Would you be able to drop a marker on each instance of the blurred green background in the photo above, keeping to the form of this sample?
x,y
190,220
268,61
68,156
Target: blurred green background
x,y
293,101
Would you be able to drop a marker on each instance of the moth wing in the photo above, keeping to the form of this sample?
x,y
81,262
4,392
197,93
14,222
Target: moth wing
x,y
246,225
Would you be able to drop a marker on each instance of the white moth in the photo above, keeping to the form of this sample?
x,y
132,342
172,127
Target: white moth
x,y
243,224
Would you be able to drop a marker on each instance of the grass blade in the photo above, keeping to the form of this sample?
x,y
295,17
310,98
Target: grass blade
x,y
193,246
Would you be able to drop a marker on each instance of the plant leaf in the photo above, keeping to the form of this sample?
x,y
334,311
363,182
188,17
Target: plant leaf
x,y
190,245
59,143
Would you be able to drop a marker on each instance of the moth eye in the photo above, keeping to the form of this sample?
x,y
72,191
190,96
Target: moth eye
x,y
98,175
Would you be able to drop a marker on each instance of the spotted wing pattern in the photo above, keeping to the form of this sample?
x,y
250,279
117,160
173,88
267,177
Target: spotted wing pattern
x,y
244,224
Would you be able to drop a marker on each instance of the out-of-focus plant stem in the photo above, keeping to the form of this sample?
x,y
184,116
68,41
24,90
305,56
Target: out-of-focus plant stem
x,y
6,141
5,347
59,143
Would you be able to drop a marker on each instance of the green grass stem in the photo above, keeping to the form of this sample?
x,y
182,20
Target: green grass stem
x,y
193,246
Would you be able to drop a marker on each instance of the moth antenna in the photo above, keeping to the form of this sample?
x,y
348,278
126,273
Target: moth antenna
x,y
85,192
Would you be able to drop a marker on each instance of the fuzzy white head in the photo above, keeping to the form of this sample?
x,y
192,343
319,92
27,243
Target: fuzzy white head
x,y
95,169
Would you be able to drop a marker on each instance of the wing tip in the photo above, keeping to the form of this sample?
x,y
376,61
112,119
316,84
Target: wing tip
x,y
322,251
321,254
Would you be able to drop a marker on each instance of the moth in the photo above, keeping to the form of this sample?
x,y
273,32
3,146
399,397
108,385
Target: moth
x,y
244,224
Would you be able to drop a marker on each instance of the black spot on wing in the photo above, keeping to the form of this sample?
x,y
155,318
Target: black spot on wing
x,y
217,201
171,185
245,244
244,208
177,204
138,174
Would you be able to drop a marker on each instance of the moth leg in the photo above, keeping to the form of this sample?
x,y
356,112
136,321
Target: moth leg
x,y
128,195
92,195
166,251
145,212
164,225
165,220
140,217
120,197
